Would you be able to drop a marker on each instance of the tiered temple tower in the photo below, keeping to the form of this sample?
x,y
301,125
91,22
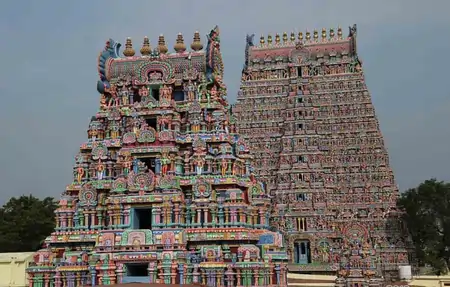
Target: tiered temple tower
x,y
305,111
163,190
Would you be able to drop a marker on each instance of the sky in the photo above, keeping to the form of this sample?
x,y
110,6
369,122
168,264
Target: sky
x,y
48,73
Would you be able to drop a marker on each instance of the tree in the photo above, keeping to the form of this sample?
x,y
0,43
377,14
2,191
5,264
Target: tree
x,y
25,222
427,217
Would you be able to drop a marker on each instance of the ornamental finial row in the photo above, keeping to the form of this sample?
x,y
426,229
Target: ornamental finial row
x,y
179,47
330,36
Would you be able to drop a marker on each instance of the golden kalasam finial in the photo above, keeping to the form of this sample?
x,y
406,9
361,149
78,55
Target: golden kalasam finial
x,y
285,37
261,40
308,35
129,51
146,48
179,46
324,33
162,47
316,35
331,33
339,32
196,43
292,37
277,38
300,36
269,39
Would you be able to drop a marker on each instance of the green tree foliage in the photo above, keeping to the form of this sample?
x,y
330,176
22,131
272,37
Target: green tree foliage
x,y
25,222
427,216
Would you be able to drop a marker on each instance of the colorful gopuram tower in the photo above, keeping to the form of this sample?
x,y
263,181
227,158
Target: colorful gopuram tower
x,y
162,190
305,111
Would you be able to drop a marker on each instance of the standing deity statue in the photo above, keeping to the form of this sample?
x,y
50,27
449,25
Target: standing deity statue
x,y
114,100
225,126
165,162
143,92
100,170
199,163
127,163
224,166
103,103
190,91
124,94
80,173
135,166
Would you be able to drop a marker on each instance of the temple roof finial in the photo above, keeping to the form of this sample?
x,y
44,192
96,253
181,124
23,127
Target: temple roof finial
x,y
331,32
277,38
285,37
292,37
339,32
179,46
146,48
196,43
129,51
269,39
162,47
261,40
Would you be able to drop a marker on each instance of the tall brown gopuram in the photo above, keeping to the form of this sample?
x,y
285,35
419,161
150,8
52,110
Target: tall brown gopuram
x,y
305,111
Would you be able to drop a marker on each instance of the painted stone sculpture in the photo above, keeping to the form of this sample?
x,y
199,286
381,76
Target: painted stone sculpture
x,y
163,189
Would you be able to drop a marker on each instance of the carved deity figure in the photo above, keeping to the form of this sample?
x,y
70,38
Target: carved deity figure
x,y
114,100
190,91
135,166
199,163
224,166
80,173
213,92
225,126
124,94
103,103
166,93
195,127
127,163
165,162
143,92
100,170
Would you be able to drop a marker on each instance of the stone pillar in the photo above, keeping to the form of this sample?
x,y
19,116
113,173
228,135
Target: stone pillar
x,y
277,270
205,214
93,275
157,215
199,216
31,278
181,273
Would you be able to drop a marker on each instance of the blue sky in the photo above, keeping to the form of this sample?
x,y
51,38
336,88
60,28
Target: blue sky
x,y
49,54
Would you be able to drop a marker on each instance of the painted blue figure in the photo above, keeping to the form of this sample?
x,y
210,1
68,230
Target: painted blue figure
x,y
135,166
157,166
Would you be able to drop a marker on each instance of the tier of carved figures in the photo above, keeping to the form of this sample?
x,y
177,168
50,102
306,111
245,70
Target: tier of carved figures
x,y
316,143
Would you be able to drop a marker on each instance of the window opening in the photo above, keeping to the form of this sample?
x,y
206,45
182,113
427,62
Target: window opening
x,y
142,218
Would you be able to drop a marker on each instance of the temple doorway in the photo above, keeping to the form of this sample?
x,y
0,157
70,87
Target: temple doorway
x,y
136,273
302,253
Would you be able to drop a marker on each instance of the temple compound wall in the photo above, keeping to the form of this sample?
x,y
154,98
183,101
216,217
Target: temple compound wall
x,y
305,111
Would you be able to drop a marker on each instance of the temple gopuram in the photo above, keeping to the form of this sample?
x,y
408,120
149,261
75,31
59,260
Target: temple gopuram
x,y
305,111
163,189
